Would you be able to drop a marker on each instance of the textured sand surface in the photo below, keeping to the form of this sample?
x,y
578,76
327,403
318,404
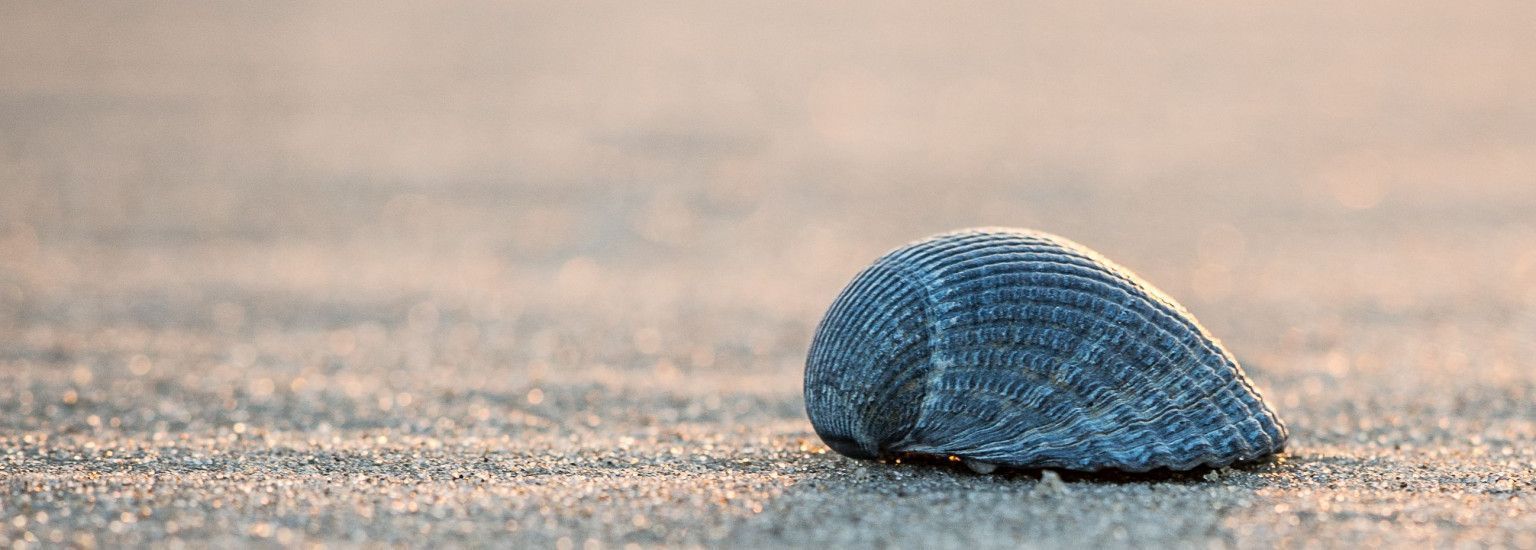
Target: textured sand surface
x,y
489,274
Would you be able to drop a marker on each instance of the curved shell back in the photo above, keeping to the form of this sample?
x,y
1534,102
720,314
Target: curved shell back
x,y
1022,348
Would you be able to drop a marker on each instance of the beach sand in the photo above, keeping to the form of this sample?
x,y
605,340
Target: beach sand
x,y
542,275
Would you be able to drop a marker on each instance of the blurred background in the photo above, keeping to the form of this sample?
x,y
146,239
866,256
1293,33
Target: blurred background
x,y
542,188
363,201
548,270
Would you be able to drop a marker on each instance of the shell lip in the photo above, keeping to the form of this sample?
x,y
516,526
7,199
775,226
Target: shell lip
x,y
1103,473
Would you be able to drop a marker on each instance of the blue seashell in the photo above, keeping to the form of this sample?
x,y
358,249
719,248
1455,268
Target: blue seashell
x,y
1024,349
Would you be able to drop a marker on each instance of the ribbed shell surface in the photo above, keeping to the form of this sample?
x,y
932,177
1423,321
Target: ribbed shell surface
x,y
1024,349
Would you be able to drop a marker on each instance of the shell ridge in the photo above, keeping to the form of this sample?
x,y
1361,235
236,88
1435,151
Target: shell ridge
x,y
1060,393
1277,434
1023,242
1162,355
1163,318
936,361
1164,321
830,350
1131,429
873,283
1024,348
1030,251
966,245
1040,315
1006,449
1122,387
1043,355
1088,258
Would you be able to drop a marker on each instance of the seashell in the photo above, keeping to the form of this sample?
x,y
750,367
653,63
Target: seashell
x,y
1024,349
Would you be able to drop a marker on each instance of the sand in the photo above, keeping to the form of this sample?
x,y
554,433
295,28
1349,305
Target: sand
x,y
534,275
